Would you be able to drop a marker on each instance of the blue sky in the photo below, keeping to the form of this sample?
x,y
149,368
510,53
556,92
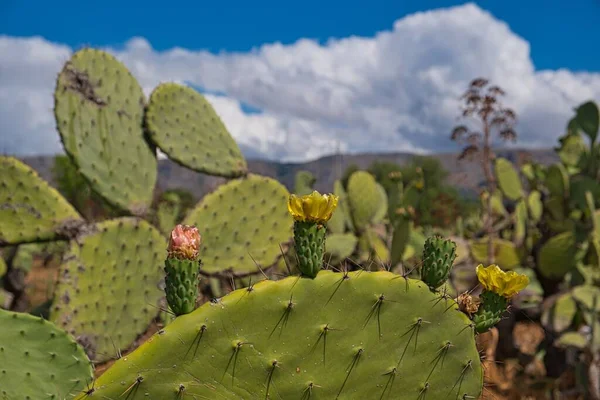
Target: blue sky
x,y
294,81
561,33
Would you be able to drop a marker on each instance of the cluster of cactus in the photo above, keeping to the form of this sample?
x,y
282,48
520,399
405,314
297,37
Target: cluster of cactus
x,y
111,276
547,220
322,334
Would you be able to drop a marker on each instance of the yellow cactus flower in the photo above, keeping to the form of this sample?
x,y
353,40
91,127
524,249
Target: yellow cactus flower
x,y
505,284
314,207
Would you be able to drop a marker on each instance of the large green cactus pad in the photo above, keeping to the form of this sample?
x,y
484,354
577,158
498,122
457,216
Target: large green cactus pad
x,y
30,209
99,107
38,361
364,335
108,290
184,125
243,224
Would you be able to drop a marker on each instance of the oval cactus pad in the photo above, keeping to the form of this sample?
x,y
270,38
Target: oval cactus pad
x,y
108,290
99,107
361,335
243,224
30,209
39,361
184,125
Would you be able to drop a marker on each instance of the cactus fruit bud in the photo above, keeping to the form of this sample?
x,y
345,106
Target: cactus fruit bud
x,y
311,213
182,268
498,288
438,257
184,242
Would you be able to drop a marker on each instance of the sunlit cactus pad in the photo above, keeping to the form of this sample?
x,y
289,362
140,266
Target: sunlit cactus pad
x,y
364,335
244,224
108,290
30,209
38,361
185,126
99,107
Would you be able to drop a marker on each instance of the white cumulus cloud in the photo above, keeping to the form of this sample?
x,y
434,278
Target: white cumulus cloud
x,y
395,91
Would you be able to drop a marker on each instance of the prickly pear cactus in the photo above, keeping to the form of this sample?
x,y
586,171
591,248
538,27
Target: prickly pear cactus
x,y
338,247
506,255
557,255
341,219
108,290
99,107
184,125
30,209
167,212
303,183
38,360
508,179
361,335
365,199
243,224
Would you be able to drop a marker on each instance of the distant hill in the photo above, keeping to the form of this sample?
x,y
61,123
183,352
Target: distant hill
x,y
465,175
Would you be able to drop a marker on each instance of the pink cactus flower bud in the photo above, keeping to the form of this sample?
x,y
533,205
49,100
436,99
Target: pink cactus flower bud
x,y
185,242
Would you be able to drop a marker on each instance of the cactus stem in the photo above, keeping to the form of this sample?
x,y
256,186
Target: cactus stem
x,y
390,383
350,368
196,340
284,317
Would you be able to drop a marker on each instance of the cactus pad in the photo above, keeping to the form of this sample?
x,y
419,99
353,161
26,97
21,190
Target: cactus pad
x,y
38,360
243,223
365,199
508,179
108,290
341,219
99,107
362,335
339,246
505,252
30,209
557,255
184,125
